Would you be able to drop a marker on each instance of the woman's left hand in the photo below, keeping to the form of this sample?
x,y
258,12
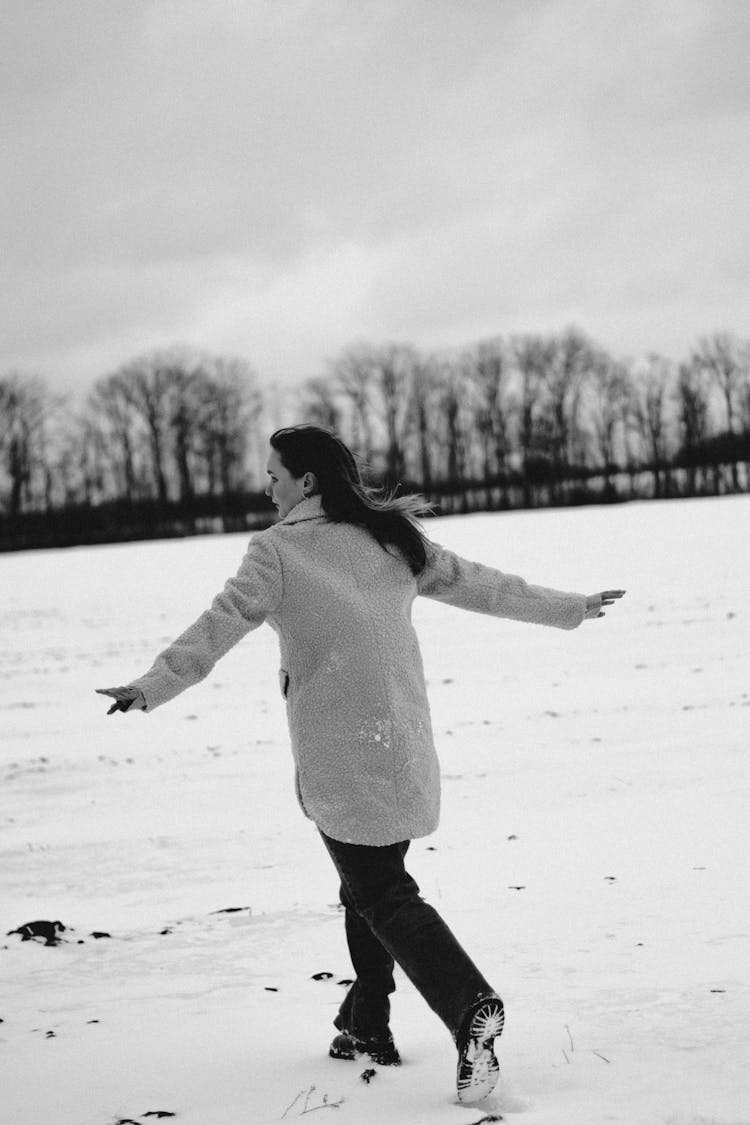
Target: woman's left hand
x,y
594,602
125,698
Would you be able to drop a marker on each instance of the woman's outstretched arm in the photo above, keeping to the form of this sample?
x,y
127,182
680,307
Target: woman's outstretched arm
x,y
244,603
470,585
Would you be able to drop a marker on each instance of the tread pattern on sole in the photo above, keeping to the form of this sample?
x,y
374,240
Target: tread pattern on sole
x,y
478,1069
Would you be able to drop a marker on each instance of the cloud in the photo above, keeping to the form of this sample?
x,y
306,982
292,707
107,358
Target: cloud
x,y
277,179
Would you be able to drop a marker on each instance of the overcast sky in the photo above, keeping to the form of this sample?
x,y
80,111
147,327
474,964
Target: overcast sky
x,y
277,178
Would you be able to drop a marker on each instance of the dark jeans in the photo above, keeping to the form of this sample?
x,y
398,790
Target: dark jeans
x,y
386,921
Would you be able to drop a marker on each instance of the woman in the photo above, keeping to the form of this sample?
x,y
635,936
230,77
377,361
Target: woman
x,y
336,578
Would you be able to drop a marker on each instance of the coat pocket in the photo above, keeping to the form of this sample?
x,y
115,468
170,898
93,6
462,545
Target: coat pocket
x,y
284,682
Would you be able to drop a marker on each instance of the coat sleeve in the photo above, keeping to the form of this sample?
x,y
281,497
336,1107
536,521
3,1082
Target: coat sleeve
x,y
244,603
470,585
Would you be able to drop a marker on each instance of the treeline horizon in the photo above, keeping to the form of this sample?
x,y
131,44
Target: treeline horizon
x,y
174,441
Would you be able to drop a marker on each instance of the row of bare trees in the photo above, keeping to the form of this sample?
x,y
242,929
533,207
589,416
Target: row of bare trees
x,y
170,425
543,412
533,418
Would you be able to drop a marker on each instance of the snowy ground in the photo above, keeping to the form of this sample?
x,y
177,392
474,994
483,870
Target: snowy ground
x,y
592,856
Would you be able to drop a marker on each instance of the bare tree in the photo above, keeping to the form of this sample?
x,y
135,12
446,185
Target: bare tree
x,y
64,450
744,408
352,372
532,356
377,381
453,419
114,427
609,398
721,356
187,402
23,409
488,373
181,417
232,404
744,395
692,396
320,404
146,383
569,360
395,369
89,458
420,424
650,393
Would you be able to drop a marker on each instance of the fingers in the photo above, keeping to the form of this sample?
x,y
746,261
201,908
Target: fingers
x,y
124,697
606,597
121,705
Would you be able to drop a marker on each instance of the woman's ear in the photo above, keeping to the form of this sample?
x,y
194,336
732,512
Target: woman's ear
x,y
310,484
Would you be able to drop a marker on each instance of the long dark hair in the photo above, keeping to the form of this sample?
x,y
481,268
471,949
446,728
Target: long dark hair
x,y
346,496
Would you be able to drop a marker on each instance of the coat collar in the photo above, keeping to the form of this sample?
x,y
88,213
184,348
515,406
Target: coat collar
x,y
311,508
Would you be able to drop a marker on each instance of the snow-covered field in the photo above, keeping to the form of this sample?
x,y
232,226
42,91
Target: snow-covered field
x,y
592,856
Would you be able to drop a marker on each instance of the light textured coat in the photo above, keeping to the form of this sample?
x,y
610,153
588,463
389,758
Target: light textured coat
x,y
351,670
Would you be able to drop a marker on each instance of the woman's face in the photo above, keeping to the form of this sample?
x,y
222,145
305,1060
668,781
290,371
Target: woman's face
x,y
285,490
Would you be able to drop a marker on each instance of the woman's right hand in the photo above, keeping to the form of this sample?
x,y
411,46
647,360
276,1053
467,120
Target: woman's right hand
x,y
126,698
595,602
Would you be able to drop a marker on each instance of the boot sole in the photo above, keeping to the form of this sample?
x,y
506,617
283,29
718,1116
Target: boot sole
x,y
478,1069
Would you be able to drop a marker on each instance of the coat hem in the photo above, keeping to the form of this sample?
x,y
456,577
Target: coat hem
x,y
416,833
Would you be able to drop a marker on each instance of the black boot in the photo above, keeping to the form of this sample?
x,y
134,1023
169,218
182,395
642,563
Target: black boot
x,y
478,1071
381,1049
